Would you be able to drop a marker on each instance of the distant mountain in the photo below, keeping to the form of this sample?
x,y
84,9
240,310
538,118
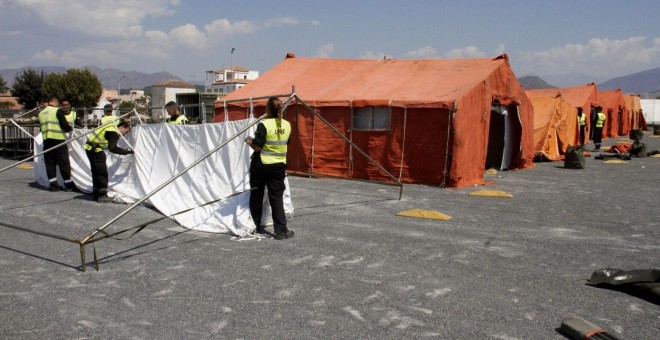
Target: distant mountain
x,y
640,82
110,78
571,79
534,82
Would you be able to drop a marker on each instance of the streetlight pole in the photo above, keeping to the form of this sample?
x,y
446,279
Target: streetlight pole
x,y
119,88
231,68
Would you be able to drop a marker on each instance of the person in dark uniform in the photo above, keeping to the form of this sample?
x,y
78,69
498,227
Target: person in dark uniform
x,y
268,168
54,127
105,138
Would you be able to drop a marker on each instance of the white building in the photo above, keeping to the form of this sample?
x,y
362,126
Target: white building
x,y
228,80
651,110
166,91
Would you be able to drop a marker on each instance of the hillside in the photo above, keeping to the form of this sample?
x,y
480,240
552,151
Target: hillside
x,y
534,82
641,82
110,78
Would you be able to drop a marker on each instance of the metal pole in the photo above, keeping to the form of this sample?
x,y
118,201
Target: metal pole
x,y
86,239
57,146
355,146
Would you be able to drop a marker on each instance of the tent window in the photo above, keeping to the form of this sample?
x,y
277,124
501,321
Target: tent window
x,y
372,118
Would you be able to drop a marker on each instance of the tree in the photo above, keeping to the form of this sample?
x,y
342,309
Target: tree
x,y
80,87
27,88
3,85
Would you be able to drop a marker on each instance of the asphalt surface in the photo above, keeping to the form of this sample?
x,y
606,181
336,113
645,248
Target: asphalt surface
x,y
501,268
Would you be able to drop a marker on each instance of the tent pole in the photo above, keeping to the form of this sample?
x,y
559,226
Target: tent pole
x,y
355,146
311,162
96,231
450,123
403,140
60,145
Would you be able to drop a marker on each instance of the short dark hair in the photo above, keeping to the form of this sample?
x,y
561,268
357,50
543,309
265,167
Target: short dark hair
x,y
171,104
108,106
124,124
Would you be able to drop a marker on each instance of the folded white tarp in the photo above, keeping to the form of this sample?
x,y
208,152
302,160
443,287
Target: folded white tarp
x,y
164,150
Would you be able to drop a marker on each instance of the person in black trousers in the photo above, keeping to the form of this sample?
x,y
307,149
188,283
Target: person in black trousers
x,y
268,168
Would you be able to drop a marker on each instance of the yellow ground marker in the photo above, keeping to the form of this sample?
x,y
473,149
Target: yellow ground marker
x,y
490,193
428,214
491,172
625,141
25,166
615,161
656,155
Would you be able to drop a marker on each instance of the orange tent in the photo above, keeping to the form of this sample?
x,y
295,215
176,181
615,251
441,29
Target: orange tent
x,y
635,117
614,107
555,124
586,97
438,122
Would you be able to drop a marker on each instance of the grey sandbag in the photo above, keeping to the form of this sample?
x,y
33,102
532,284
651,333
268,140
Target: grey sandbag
x,y
574,157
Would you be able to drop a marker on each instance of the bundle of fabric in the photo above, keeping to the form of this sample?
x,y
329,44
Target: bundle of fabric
x,y
164,150
620,148
574,157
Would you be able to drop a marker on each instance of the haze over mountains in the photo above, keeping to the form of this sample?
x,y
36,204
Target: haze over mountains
x,y
645,83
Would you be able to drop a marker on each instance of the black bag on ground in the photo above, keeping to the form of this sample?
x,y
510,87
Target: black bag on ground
x,y
574,157
638,149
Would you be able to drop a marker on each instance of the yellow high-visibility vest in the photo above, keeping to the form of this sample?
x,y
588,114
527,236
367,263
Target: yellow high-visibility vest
x,y
50,126
582,120
600,121
96,140
108,119
275,146
71,118
181,119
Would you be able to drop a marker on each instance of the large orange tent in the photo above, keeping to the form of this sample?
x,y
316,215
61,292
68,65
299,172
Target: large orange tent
x,y
438,122
586,97
614,107
555,124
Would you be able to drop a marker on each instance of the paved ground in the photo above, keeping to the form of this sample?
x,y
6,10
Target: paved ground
x,y
500,269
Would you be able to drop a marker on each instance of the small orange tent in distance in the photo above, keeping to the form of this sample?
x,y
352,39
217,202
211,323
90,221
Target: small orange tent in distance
x,y
613,106
586,97
634,108
437,122
555,124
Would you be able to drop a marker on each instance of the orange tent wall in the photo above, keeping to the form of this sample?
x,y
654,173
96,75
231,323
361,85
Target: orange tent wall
x,y
555,126
612,103
420,93
635,117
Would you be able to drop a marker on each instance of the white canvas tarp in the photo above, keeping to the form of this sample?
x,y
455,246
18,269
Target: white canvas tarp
x,y
164,150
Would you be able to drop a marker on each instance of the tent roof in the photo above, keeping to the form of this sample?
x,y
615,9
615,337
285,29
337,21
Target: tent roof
x,y
361,82
581,96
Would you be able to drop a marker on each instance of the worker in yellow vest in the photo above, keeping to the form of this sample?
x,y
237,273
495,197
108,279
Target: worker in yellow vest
x,y
104,138
175,116
70,115
582,124
268,168
108,116
598,128
53,131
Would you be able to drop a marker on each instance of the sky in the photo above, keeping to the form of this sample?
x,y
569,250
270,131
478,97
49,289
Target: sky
x,y
551,39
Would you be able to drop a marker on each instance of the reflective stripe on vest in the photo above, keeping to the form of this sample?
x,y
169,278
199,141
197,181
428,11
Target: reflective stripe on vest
x,y
601,120
582,120
179,120
50,126
97,141
275,146
71,118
